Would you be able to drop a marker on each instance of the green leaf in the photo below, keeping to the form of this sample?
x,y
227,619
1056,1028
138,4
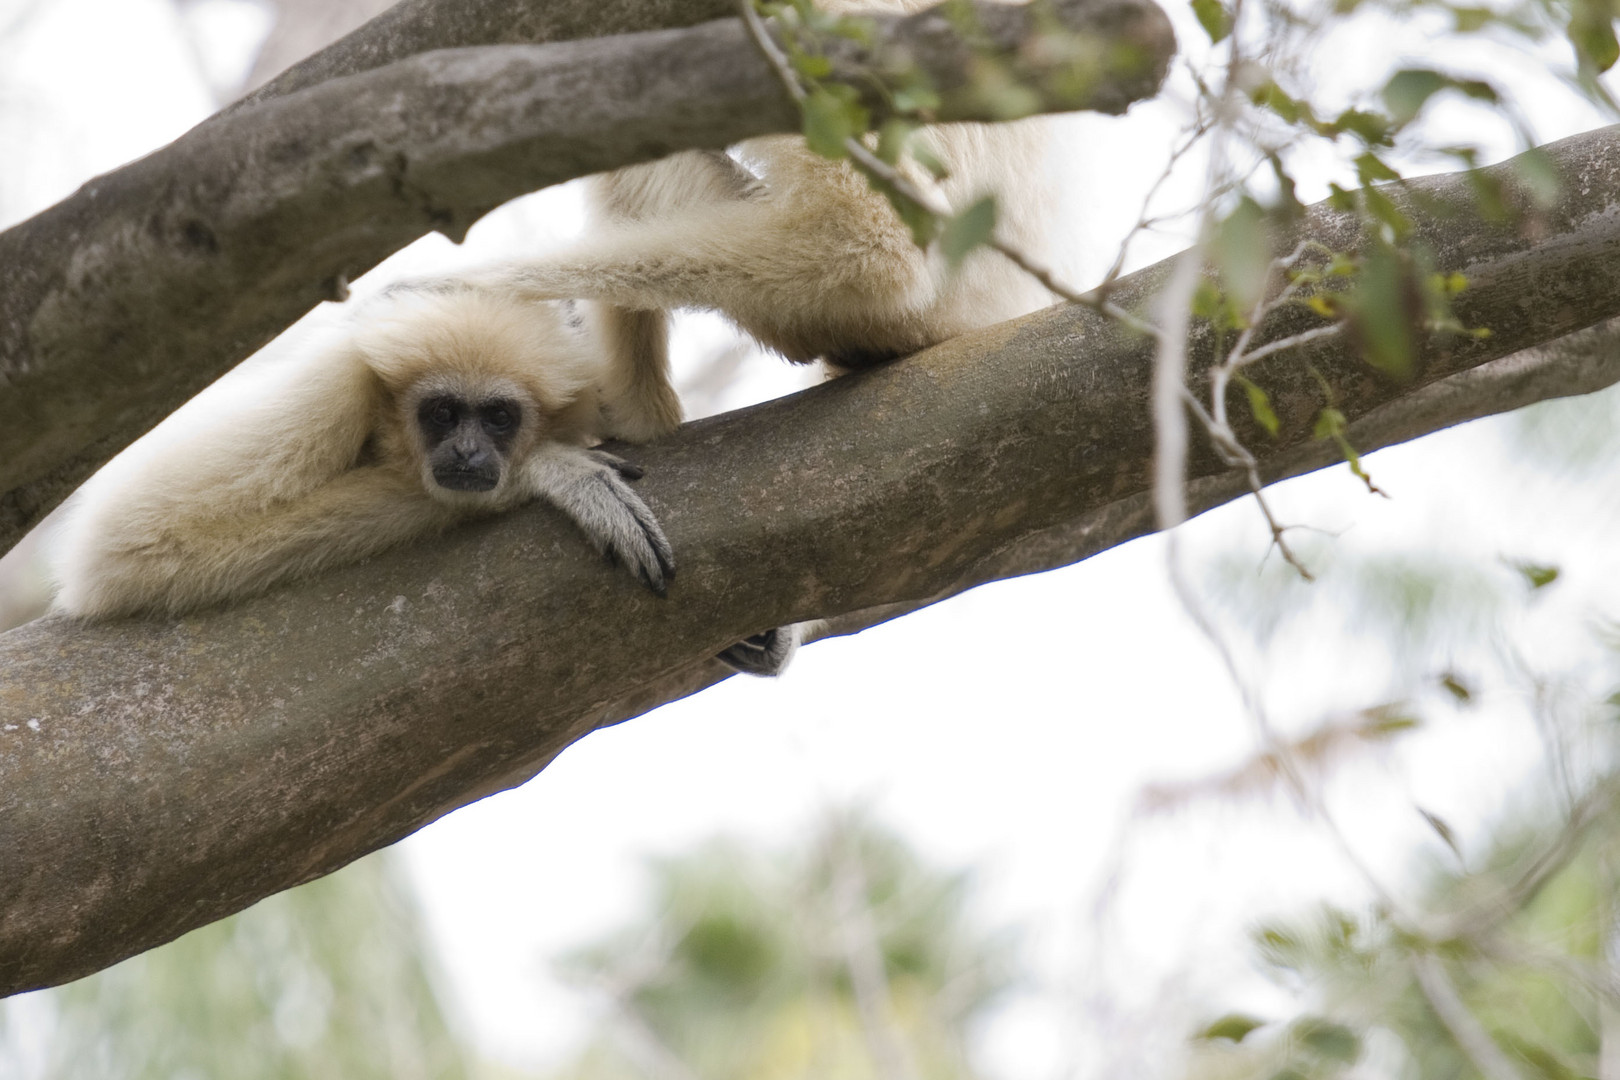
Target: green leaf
x,y
1384,211
1326,305
970,229
1442,830
1327,1039
1409,89
1388,308
1370,168
1269,95
919,98
1260,406
1540,177
924,155
812,66
924,225
1385,721
1288,208
1214,18
1538,575
1242,250
1457,687
1369,127
893,137
855,28
1234,1027
831,116
1330,424
1591,32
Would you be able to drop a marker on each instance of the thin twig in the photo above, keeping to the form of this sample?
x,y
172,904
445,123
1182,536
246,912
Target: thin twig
x,y
1471,1037
1293,341
1227,444
1199,128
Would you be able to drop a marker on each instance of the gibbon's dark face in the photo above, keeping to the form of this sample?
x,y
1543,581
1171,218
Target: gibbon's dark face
x,y
468,443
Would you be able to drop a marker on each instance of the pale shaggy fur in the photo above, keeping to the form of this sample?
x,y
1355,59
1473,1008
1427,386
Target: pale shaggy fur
x,y
231,496
296,467
797,250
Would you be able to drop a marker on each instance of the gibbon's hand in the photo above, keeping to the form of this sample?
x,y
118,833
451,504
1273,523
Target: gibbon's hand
x,y
589,486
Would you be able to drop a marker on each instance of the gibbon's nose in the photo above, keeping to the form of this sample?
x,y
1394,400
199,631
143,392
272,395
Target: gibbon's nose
x,y
471,455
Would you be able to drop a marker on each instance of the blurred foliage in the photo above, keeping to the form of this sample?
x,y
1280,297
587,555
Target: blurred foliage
x,y
847,958
328,981
1524,943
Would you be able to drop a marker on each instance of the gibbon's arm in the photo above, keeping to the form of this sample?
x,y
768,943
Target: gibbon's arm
x,y
251,482
195,558
205,560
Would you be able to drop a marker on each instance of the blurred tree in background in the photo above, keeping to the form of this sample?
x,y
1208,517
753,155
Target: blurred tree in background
x,y
328,981
849,957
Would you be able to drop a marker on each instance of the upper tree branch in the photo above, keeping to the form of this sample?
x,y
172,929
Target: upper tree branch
x,y
156,775
133,294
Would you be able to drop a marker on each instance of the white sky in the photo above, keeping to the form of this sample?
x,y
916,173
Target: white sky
x,y
1011,729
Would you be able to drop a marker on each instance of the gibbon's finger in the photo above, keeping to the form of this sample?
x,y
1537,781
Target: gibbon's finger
x,y
631,533
612,516
626,469
764,654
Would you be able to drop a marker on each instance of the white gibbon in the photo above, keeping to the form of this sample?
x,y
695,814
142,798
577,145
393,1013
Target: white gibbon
x,y
439,408
402,431
800,253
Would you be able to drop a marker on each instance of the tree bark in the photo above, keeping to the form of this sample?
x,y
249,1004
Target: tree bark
x,y
149,282
157,775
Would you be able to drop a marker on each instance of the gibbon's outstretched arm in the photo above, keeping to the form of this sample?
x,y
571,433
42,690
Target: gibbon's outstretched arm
x,y
446,408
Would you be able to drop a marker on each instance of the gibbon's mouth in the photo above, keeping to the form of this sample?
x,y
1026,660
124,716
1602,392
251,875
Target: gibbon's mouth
x,y
465,479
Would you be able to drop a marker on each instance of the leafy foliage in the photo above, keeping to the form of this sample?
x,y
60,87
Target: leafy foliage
x,y
326,980
750,964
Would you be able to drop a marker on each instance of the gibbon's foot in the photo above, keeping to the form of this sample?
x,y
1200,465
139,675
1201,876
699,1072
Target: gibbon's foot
x,y
589,486
764,654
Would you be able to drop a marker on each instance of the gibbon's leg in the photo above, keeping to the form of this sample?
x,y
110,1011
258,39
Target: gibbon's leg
x,y
638,401
808,271
637,397
589,486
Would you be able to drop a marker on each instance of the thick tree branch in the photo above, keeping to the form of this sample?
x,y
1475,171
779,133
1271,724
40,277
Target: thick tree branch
x,y
418,26
157,775
133,294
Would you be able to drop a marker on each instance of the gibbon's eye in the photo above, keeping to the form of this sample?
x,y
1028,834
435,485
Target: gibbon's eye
x,y
499,417
438,413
